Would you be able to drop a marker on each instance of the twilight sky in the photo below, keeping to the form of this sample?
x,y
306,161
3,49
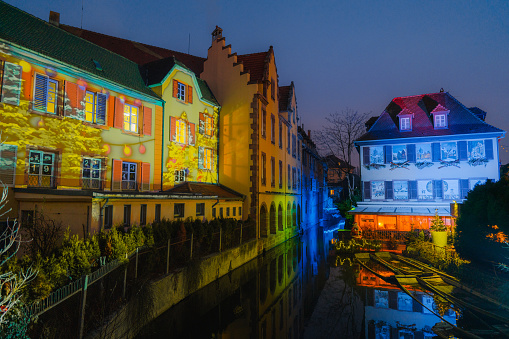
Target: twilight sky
x,y
356,54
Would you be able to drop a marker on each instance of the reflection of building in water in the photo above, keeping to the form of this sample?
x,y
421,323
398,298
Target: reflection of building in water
x,y
391,313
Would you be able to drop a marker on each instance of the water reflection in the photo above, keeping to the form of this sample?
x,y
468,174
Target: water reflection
x,y
293,291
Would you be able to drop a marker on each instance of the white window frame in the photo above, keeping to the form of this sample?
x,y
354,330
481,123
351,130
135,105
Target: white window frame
x,y
127,182
38,169
180,176
181,131
405,123
440,120
181,91
130,112
207,158
95,106
93,182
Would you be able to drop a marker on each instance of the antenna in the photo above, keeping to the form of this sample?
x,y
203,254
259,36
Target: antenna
x,y
189,44
81,14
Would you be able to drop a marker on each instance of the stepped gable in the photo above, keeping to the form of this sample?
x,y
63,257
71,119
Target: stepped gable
x,y
461,120
31,33
254,64
284,97
135,51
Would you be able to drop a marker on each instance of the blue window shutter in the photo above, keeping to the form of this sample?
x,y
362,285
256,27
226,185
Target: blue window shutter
x,y
488,148
388,153
388,190
365,155
41,92
101,108
464,188
410,152
435,151
367,189
412,189
462,150
437,189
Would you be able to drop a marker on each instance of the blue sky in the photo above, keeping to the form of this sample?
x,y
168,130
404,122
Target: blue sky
x,y
356,54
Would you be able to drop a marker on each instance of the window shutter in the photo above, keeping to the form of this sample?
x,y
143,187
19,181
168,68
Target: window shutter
x,y
119,114
8,164
388,190
191,133
437,189
464,188
201,154
435,151
388,154
41,91
190,94
145,176
412,189
410,153
201,126
71,98
111,111
488,149
367,190
173,129
101,108
462,151
365,156
82,91
175,88
116,175
11,83
147,121
393,302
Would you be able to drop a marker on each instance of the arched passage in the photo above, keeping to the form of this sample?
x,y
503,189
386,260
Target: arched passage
x,y
280,218
263,221
289,216
272,219
294,214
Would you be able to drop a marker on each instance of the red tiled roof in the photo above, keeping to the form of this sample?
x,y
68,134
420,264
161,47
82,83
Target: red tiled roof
x,y
284,97
254,63
205,190
135,51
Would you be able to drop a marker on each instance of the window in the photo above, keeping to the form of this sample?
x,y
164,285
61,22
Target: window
x,y
181,129
130,118
41,169
264,123
264,175
377,190
399,153
181,91
157,217
206,126
8,164
220,212
294,178
280,174
91,176
272,172
129,175
240,211
400,189
180,176
10,83
289,178
273,89
280,134
227,211
273,128
213,212
143,214
45,94
205,158
200,209
451,189
108,216
234,211
424,189
289,141
298,149
376,155
95,108
448,151
405,123
127,215
178,210
423,153
476,149
440,120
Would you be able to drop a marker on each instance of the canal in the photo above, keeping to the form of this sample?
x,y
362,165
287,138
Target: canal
x,y
297,291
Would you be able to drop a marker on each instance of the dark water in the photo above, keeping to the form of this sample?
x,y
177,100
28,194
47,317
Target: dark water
x,y
297,291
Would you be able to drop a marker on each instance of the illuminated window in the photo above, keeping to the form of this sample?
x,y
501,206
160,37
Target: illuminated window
x,y
41,169
91,173
209,123
45,94
205,160
181,91
405,124
181,131
95,107
130,118
440,120
129,174
180,176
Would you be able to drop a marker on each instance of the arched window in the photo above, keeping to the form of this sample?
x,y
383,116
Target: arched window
x,y
294,214
280,218
263,221
272,219
289,216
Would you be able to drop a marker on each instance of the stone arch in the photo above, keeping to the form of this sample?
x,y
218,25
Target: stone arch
x,y
263,221
289,216
280,219
273,218
294,214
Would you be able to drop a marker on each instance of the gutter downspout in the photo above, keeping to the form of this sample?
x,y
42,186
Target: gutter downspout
x,y
162,149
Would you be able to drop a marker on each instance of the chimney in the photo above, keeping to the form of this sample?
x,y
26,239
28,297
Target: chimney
x,y
54,18
309,133
217,33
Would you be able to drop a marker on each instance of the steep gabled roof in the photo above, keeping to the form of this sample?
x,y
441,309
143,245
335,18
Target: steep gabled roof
x,y
254,64
31,33
135,51
284,98
461,120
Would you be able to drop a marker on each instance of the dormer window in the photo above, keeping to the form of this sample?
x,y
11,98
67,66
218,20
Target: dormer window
x,y
405,124
440,121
